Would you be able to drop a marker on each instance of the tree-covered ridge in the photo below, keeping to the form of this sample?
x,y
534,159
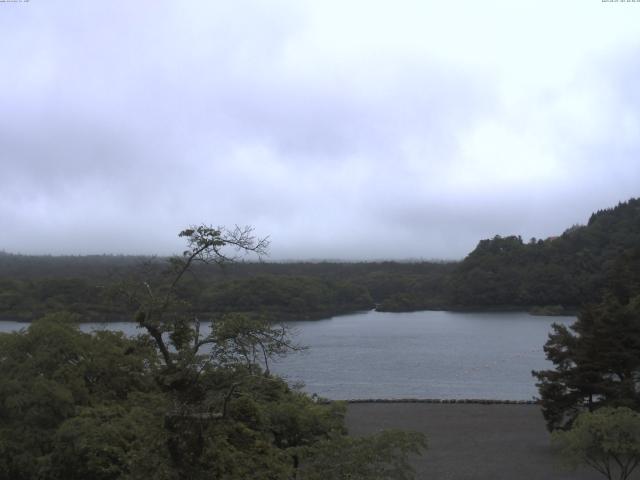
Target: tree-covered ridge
x,y
559,273
568,270
32,286
290,297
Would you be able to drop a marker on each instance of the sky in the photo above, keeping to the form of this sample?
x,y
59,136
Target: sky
x,y
350,130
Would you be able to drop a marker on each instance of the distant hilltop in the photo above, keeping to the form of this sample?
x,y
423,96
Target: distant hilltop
x,y
569,269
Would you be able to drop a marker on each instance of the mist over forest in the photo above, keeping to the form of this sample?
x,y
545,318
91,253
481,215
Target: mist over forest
x,y
555,275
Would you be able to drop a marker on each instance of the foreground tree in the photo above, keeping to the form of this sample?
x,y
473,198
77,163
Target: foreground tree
x,y
181,401
378,457
597,362
77,406
607,440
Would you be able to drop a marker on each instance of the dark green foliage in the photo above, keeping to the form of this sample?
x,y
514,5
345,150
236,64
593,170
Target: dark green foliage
x,y
173,403
607,440
373,458
597,361
568,270
111,442
77,406
286,297
52,379
287,291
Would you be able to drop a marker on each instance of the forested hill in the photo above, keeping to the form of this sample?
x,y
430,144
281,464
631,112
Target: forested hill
x,y
568,270
552,276
31,286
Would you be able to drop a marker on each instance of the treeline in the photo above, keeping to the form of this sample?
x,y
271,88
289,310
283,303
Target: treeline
x,y
567,271
550,276
32,286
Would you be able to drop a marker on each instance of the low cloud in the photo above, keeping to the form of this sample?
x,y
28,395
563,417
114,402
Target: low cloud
x,y
351,132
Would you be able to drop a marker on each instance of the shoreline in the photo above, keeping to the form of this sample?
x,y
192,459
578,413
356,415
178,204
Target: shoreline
x,y
481,401
93,317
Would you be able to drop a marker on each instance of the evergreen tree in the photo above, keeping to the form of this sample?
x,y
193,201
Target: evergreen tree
x,y
597,362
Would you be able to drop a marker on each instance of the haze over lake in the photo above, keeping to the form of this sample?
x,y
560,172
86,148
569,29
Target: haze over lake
x,y
428,354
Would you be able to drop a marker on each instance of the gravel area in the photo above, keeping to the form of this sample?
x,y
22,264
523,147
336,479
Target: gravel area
x,y
471,441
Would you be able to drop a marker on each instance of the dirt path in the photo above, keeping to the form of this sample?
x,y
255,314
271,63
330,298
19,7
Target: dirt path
x,y
471,441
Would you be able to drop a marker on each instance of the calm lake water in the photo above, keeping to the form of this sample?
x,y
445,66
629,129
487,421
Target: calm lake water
x,y
411,355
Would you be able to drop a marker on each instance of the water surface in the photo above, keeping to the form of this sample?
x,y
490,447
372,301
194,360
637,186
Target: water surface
x,y
411,355
422,355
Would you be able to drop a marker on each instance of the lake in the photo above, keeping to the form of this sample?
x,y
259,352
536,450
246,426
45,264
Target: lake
x,y
428,354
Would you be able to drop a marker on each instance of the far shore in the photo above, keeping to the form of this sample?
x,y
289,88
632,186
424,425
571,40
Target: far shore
x,y
92,317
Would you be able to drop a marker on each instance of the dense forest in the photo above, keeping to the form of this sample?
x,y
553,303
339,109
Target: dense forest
x,y
548,276
175,403
33,285
568,270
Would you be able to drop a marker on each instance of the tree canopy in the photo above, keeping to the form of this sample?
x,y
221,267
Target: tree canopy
x,y
596,361
571,269
177,401
607,440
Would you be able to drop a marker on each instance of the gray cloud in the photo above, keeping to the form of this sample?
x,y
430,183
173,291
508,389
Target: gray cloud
x,y
340,136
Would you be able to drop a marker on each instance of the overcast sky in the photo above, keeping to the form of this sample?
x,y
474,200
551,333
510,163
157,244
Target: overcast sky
x,y
341,129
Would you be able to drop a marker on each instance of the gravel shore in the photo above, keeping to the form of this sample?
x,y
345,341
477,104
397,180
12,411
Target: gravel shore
x,y
470,441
